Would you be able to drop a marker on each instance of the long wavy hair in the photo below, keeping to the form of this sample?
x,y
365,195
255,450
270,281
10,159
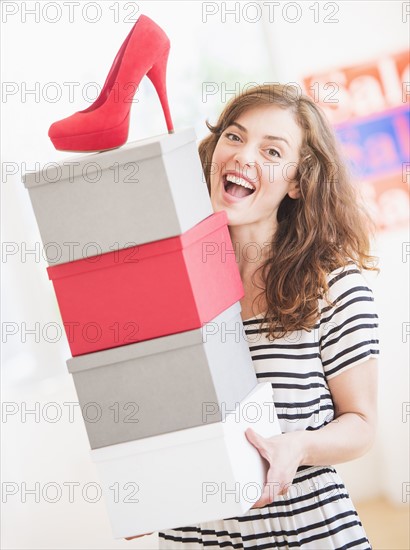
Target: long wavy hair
x,y
326,228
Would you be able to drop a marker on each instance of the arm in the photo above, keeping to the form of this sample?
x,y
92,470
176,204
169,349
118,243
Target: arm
x,y
351,433
348,436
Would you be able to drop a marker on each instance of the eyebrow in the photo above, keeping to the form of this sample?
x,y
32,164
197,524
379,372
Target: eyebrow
x,y
273,138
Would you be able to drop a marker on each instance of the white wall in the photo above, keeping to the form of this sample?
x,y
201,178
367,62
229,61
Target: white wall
x,y
204,54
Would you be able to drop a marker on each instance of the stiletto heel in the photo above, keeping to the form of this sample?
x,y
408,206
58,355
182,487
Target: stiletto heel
x,y
157,75
105,124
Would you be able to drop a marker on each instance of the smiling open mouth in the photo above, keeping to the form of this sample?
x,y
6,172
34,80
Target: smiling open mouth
x,y
237,187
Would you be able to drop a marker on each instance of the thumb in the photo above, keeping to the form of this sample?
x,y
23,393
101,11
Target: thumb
x,y
258,441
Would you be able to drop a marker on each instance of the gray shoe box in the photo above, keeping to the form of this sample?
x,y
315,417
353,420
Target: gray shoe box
x,y
145,191
164,384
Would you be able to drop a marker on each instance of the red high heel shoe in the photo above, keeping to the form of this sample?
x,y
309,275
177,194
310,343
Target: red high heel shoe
x,y
105,124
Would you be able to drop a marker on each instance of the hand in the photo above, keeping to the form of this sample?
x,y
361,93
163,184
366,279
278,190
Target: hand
x,y
284,454
137,536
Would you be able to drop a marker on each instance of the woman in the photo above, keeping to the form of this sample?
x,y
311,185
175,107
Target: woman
x,y
301,241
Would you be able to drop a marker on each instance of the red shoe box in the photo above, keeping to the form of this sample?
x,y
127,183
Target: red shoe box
x,y
148,291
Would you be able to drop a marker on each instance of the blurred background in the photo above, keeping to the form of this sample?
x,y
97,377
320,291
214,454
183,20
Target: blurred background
x,y
352,57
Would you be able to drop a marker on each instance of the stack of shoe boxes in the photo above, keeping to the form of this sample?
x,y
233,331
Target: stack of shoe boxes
x,y
149,297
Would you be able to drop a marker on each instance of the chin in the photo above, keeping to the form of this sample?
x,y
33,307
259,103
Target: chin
x,y
232,215
233,218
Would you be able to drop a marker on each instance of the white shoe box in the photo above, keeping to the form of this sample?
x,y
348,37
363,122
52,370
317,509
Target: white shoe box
x,y
199,474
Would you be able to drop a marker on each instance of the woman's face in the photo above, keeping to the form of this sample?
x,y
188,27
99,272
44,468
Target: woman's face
x,y
254,165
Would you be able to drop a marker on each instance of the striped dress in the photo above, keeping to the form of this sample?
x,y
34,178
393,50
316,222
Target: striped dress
x,y
317,512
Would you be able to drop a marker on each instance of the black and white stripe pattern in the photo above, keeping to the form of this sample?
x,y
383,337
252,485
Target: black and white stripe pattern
x,y
317,512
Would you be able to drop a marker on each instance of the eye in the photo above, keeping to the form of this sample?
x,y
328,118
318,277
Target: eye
x,y
230,134
275,153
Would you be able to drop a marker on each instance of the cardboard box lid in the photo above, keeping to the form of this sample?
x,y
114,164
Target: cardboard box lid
x,y
159,443
260,394
147,347
135,254
134,151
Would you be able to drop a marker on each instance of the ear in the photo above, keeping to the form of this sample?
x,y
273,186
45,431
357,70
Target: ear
x,y
294,190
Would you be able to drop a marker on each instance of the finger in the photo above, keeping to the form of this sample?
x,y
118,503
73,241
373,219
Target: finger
x,y
259,503
257,441
284,489
269,494
276,483
137,536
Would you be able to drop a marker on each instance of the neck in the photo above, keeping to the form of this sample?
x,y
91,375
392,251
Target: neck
x,y
251,243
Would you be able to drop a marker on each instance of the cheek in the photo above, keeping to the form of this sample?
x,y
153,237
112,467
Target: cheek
x,y
289,171
220,157
214,176
272,177
274,183
212,182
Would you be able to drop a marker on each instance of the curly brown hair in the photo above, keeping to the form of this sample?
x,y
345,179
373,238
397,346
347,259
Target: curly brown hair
x,y
326,228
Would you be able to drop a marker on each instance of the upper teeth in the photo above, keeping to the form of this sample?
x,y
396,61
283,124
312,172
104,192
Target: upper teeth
x,y
239,181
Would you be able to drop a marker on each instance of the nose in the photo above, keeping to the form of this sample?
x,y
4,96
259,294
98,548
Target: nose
x,y
245,161
244,155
